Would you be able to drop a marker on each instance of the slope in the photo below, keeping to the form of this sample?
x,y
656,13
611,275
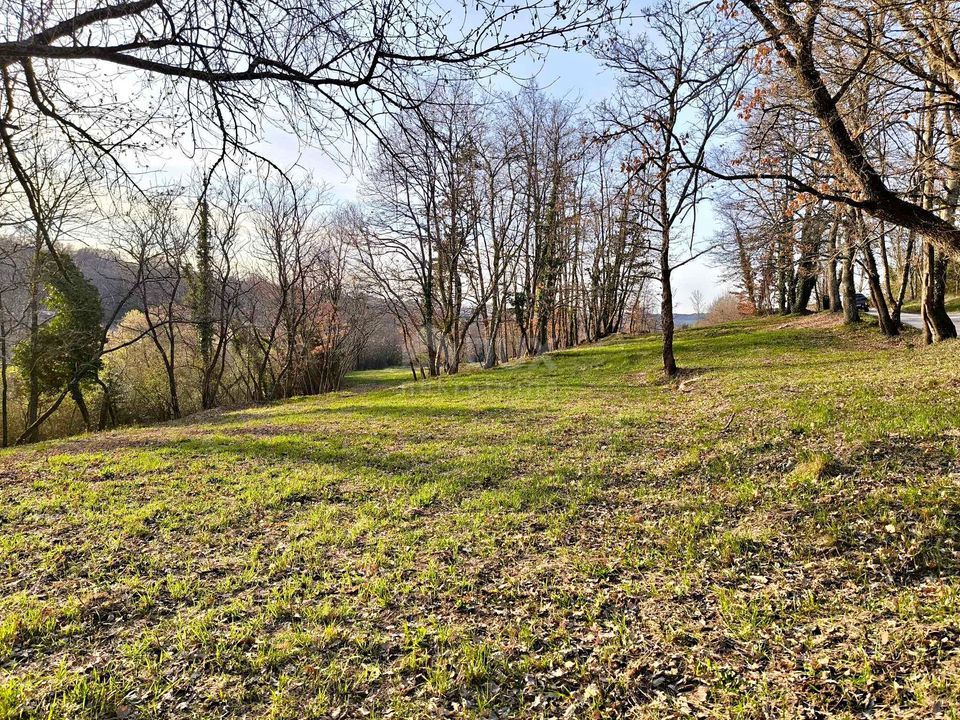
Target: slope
x,y
565,537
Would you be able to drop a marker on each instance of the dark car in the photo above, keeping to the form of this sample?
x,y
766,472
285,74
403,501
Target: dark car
x,y
860,300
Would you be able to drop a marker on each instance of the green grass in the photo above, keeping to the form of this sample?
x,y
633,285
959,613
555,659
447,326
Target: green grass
x,y
952,303
377,378
774,536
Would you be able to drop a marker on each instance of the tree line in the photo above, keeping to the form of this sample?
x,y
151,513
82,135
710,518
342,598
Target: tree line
x,y
504,228
483,233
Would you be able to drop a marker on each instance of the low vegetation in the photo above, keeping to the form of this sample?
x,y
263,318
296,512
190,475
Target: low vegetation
x,y
773,534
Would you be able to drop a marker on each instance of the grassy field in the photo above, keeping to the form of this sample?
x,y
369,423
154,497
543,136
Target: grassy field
x,y
774,536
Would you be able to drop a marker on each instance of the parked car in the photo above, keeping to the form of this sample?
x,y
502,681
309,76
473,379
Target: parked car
x,y
860,300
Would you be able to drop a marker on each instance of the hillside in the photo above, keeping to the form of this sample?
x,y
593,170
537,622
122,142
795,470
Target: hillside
x,y
567,537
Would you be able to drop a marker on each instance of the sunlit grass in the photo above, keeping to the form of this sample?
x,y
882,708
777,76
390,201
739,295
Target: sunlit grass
x,y
774,534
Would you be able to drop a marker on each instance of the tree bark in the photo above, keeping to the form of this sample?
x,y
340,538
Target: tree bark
x,y
830,269
490,351
887,326
666,311
804,290
107,414
904,281
937,323
81,404
848,291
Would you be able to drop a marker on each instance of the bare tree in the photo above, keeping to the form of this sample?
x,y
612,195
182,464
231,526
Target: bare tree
x,y
679,88
497,244
549,136
697,300
425,197
157,242
105,77
620,239
215,281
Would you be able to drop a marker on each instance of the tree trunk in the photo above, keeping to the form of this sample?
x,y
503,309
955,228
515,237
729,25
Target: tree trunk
x,y
433,357
32,431
666,313
887,326
174,393
77,396
805,284
850,313
937,324
904,281
107,414
833,281
746,271
805,279
542,327
490,352
783,285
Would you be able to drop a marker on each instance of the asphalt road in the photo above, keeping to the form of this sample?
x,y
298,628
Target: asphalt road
x,y
913,319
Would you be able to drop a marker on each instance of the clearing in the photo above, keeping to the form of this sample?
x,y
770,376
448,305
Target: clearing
x,y
567,537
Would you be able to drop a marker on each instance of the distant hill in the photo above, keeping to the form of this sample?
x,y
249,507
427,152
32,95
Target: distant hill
x,y
686,319
680,320
111,276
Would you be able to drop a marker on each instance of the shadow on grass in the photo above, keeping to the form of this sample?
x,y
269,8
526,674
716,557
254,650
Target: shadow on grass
x,y
896,516
401,408
409,466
